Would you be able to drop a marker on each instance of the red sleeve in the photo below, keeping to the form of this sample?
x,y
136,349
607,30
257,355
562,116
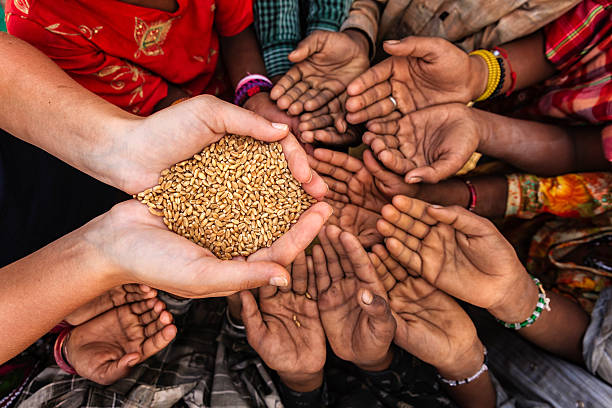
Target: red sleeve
x,y
232,17
119,82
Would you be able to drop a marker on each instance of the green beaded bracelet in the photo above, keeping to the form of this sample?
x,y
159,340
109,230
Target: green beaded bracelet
x,y
543,303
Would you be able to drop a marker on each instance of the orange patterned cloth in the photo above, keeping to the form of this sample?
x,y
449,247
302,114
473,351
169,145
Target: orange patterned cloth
x,y
570,195
129,54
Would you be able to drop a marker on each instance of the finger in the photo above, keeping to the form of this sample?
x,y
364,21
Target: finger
x,y
251,316
148,317
286,248
297,160
320,99
378,109
292,94
462,220
333,267
322,278
383,128
312,282
408,258
315,122
310,45
396,161
333,234
330,136
392,117
288,81
414,208
164,319
370,96
339,160
360,262
403,222
297,106
299,274
316,187
158,341
384,276
445,165
377,74
416,47
389,230
397,272
375,306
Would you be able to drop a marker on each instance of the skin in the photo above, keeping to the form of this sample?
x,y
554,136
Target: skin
x,y
328,125
353,303
296,353
357,221
115,297
127,244
424,71
324,64
450,248
435,329
105,349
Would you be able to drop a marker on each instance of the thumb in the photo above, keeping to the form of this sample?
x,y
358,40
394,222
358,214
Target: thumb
x,y
375,306
462,220
128,361
445,165
417,47
308,46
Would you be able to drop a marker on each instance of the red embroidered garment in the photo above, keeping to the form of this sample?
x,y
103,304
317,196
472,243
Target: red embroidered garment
x,y
127,54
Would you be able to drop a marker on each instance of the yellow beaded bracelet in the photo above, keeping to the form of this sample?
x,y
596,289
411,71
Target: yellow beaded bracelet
x,y
494,72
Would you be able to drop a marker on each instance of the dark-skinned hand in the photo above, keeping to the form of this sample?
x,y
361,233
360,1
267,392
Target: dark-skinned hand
x,y
357,221
353,303
328,125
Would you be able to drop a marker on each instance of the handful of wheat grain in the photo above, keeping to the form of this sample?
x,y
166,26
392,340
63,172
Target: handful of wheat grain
x,y
234,198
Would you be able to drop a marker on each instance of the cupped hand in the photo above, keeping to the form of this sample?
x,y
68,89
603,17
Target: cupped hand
x,y
325,63
454,250
136,246
388,183
430,324
353,303
106,348
421,72
427,145
117,296
180,131
328,125
348,179
357,221
283,325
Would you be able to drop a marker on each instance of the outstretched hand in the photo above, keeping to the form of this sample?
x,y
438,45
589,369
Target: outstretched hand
x,y
421,72
328,125
353,303
285,329
325,63
357,221
453,249
428,145
107,347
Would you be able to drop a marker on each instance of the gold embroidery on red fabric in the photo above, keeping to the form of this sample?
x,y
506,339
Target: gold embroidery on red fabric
x,y
83,30
137,92
22,5
89,32
149,38
54,29
198,58
213,7
116,82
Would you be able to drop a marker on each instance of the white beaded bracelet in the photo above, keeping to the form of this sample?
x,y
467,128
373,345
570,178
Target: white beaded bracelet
x,y
455,383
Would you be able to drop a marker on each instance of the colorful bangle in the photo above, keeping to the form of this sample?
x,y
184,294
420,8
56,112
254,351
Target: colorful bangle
x,y
543,304
502,78
58,351
454,383
494,74
249,86
473,195
500,51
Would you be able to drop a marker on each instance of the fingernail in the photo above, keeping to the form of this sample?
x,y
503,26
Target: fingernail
x,y
281,126
132,362
279,281
415,179
392,42
311,176
436,206
367,297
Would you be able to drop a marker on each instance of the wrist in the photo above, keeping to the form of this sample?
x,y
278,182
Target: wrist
x,y
478,78
465,365
519,301
379,365
302,382
253,101
359,38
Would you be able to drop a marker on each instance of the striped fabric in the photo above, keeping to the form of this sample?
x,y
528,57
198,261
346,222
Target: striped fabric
x,y
281,24
579,45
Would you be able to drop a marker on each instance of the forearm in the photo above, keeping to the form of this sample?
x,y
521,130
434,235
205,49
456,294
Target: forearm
x,y
39,290
241,56
559,330
45,107
541,148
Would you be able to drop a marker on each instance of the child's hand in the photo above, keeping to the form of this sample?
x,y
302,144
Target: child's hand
x,y
352,301
357,221
328,125
262,105
455,250
286,331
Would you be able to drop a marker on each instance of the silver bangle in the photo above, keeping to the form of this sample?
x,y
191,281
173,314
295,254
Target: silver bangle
x,y
455,383
231,322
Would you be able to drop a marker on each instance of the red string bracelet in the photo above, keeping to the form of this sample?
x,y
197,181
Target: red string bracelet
x,y
58,351
504,54
473,195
